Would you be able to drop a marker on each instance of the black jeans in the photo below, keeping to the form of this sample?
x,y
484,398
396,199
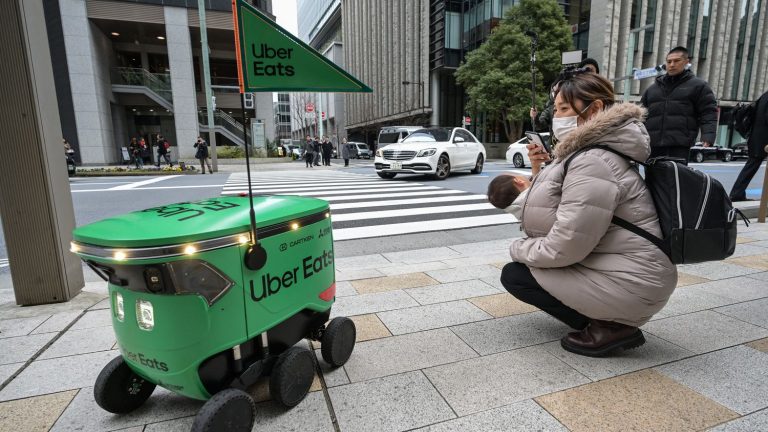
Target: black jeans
x,y
739,190
518,280
673,152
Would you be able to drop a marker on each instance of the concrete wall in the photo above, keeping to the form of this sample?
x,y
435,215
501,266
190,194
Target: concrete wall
x,y
104,61
92,133
182,80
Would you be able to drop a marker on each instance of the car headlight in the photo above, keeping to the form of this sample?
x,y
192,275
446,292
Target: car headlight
x,y
198,277
145,315
426,152
379,153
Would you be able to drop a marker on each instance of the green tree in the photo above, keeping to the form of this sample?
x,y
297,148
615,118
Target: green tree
x,y
497,75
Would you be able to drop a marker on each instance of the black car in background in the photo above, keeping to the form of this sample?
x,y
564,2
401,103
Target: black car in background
x,y
740,150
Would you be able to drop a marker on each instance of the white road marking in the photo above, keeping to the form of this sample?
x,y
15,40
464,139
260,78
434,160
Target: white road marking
x,y
410,212
423,200
143,183
421,226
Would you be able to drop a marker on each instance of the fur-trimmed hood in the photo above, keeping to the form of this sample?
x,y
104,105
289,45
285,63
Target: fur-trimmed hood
x,y
619,127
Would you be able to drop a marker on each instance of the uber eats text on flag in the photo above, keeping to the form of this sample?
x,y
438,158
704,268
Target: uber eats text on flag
x,y
270,58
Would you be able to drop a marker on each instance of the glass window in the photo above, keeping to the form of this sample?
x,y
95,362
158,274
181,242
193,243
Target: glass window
x,y
466,135
751,52
452,30
707,10
429,135
739,48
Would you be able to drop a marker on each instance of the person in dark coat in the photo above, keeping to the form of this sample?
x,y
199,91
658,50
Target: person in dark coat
x,y
202,154
757,145
345,152
163,148
309,152
679,104
317,149
327,149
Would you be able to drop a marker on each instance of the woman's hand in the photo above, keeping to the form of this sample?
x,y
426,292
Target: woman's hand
x,y
538,157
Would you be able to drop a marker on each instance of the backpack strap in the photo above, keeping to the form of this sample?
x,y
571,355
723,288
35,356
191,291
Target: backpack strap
x,y
615,219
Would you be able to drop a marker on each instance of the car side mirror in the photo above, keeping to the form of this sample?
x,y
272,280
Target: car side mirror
x,y
458,140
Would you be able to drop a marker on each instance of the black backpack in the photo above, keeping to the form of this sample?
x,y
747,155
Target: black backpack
x,y
697,219
742,117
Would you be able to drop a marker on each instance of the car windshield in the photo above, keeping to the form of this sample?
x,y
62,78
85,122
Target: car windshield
x,y
388,138
429,135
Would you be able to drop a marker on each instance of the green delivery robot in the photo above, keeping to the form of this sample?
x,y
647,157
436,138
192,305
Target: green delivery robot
x,y
203,304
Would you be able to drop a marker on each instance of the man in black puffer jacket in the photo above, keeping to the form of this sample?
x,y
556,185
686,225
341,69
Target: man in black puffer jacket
x,y
757,148
679,104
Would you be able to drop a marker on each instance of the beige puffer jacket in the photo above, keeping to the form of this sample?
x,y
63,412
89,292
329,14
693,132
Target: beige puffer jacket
x,y
599,269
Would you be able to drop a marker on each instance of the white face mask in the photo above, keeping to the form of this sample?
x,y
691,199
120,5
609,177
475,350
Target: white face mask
x,y
562,126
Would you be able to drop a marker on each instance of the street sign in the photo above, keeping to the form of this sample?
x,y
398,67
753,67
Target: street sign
x,y
645,73
467,121
269,58
571,57
309,115
310,107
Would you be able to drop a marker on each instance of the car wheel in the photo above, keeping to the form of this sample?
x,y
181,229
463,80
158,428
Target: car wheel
x,y
292,376
518,161
230,410
478,165
338,341
698,157
119,390
443,169
386,175
728,156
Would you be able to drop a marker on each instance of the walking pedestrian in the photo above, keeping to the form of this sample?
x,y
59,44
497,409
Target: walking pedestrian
x,y
327,149
317,149
202,154
135,153
679,104
163,149
309,152
602,280
757,146
345,152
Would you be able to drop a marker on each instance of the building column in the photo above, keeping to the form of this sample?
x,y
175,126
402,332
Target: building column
x,y
35,200
182,80
91,135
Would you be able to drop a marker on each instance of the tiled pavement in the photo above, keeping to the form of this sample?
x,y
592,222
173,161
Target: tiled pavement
x,y
442,347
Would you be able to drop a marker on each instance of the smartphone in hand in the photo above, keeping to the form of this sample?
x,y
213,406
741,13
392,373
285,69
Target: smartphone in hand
x,y
535,138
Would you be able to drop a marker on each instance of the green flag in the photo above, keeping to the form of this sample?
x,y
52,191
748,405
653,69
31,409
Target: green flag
x,y
272,59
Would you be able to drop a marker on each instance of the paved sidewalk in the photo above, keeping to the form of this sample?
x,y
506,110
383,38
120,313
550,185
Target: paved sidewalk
x,y
441,346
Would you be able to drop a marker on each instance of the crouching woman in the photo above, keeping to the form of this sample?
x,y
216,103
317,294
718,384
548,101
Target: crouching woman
x,y
600,279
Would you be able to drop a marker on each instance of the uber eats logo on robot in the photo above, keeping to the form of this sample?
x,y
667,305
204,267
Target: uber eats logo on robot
x,y
271,284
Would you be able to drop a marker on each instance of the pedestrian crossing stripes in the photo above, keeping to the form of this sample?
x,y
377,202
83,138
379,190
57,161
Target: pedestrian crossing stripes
x,y
4,262
365,206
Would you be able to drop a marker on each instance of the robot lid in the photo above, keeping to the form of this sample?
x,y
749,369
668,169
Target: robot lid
x,y
213,221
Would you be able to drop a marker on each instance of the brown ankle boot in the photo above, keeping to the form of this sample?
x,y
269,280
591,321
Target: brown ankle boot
x,y
601,337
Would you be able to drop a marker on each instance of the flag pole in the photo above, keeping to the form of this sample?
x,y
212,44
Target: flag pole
x,y
256,256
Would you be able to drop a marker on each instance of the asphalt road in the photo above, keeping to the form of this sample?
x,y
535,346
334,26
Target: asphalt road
x,y
98,198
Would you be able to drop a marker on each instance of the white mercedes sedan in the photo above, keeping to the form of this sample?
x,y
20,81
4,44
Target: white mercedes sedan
x,y
437,151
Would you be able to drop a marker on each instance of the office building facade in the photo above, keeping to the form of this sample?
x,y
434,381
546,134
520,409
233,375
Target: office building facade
x,y
728,40
132,68
320,26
